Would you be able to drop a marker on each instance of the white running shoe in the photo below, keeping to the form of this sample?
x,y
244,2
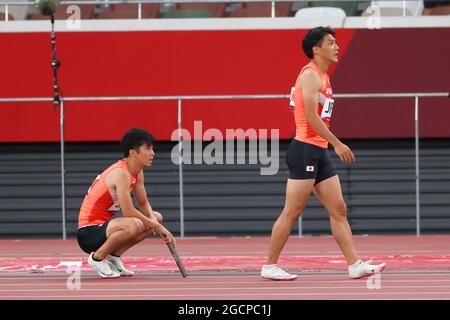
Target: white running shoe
x,y
117,265
364,269
103,268
273,272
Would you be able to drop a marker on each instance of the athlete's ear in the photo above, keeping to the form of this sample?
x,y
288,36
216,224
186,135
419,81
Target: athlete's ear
x,y
132,153
316,50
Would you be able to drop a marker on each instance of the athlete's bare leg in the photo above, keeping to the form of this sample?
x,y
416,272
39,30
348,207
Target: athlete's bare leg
x,y
119,233
132,242
329,193
297,194
140,237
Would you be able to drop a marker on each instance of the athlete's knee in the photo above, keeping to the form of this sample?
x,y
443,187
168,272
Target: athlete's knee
x,y
135,227
339,211
292,212
158,216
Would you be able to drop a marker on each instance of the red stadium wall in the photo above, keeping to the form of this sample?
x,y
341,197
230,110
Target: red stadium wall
x,y
218,63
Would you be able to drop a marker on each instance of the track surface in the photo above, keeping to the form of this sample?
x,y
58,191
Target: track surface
x,y
227,269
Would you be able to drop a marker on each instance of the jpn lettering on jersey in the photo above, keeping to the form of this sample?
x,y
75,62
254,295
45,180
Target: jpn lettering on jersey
x,y
327,106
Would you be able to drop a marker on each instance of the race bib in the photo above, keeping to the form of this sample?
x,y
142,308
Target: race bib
x,y
115,207
327,109
291,99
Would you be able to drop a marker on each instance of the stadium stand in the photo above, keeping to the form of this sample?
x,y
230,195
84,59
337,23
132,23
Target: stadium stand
x,y
64,11
129,11
262,9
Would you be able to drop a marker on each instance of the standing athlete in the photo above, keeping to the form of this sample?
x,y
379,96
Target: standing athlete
x,y
105,239
310,166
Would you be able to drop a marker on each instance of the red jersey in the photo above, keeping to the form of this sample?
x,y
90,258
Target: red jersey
x,y
100,203
304,132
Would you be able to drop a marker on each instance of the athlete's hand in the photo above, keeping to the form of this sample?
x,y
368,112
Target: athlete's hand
x,y
344,153
165,234
153,231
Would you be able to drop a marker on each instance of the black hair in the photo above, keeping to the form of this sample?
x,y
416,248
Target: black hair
x,y
134,138
313,38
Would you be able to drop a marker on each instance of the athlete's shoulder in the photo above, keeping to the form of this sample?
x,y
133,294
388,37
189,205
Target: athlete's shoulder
x,y
120,172
310,71
116,176
310,78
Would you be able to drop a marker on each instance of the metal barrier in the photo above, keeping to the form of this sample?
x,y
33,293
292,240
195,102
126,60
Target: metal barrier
x,y
179,100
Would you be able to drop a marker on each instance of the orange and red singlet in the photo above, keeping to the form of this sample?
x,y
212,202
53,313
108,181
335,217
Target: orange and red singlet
x,y
304,132
100,203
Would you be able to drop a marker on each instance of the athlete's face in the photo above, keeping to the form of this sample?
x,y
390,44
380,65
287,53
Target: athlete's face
x,y
146,154
329,49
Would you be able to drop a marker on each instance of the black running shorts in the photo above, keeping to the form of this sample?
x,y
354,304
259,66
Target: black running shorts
x,y
307,161
91,238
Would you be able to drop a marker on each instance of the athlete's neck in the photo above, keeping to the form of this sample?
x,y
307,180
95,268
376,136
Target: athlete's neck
x,y
323,65
133,167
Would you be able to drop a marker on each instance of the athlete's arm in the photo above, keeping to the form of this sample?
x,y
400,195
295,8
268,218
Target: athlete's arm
x,y
120,180
311,84
140,194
